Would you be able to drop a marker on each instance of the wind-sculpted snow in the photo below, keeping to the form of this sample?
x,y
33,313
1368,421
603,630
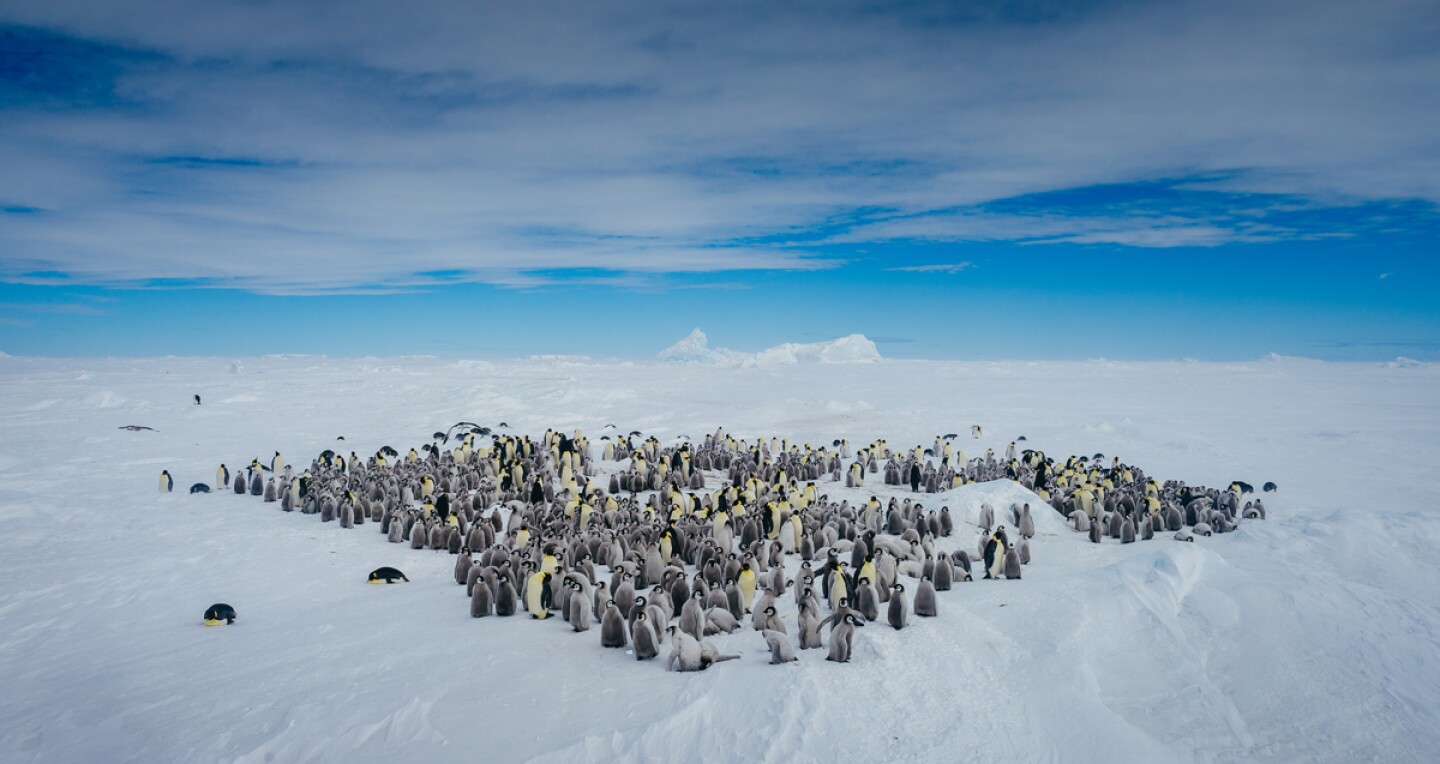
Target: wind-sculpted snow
x,y
695,349
1309,636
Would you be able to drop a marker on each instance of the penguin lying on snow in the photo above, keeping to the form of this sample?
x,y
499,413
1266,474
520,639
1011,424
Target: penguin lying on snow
x,y
219,614
199,488
387,575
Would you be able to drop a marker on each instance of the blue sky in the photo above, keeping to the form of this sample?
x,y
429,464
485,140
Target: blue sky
x,y
1131,180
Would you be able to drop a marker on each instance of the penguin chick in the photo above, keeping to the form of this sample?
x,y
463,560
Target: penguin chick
x,y
612,626
925,599
840,639
899,614
781,651
642,634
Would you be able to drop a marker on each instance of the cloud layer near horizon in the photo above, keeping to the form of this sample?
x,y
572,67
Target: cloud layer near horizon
x,y
309,147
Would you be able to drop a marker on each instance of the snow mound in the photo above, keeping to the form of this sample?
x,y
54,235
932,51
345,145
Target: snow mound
x,y
1401,362
695,348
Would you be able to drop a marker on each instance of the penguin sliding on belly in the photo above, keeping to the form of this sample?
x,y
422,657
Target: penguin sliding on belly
x,y
219,614
387,575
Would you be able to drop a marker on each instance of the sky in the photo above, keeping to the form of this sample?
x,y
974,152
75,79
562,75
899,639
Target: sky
x,y
1041,180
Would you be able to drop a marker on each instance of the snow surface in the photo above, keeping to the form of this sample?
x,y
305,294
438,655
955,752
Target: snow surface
x,y
695,348
1311,636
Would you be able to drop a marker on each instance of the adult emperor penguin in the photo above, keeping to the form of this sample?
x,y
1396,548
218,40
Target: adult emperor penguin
x,y
995,554
387,575
219,614
537,595
222,478
746,583
167,483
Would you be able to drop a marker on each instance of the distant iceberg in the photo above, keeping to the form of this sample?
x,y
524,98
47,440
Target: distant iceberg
x,y
695,348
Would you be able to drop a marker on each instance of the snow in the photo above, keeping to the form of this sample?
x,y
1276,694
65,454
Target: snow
x,y
1311,636
695,348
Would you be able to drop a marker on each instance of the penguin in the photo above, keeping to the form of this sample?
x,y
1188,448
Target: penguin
x,y
975,431
925,596
685,651
1269,487
1012,564
197,399
481,599
612,626
809,628
642,635
781,651
944,573
537,595
995,554
899,615
167,483
199,488
580,609
746,583
840,639
219,614
222,478
387,575
505,596
868,601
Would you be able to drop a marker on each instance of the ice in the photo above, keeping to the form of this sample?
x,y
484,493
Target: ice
x,y
1311,636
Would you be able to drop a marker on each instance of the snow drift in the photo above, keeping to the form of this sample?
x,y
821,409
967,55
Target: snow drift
x,y
695,348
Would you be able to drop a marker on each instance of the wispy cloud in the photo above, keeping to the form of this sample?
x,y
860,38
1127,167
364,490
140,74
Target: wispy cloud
x,y
936,268
281,148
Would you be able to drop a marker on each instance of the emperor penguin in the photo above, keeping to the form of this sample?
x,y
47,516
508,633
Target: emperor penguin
x,y
868,602
808,624
925,596
975,431
899,615
840,639
944,573
642,635
995,554
482,601
1012,563
1027,523
219,614
746,583
537,595
505,595
781,651
167,483
684,651
612,626
580,608
387,575
222,478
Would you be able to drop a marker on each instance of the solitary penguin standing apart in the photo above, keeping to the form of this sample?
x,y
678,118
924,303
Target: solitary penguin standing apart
x,y
167,483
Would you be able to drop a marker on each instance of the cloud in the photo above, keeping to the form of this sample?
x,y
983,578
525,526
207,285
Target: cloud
x,y
293,148
936,268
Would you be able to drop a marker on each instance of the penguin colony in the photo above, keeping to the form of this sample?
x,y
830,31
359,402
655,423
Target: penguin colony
x,y
691,555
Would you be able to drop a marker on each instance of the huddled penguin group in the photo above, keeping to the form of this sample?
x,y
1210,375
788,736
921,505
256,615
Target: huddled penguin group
x,y
676,543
